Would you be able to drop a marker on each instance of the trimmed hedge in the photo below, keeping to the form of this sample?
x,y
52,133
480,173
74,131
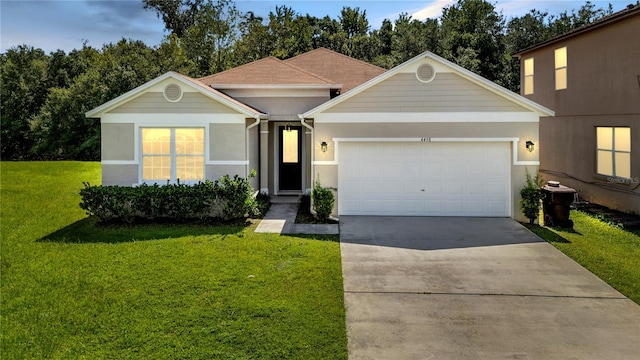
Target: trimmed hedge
x,y
225,199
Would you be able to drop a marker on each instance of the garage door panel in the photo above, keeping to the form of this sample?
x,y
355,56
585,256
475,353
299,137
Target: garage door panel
x,y
454,188
476,188
390,168
494,188
432,179
454,207
454,170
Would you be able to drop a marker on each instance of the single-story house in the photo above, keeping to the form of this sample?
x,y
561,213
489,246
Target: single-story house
x,y
426,138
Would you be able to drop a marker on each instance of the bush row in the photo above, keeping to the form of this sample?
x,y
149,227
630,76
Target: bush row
x,y
225,199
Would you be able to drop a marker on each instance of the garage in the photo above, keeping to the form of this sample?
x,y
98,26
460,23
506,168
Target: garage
x,y
424,178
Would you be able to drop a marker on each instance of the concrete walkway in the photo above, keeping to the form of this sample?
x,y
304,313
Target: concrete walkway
x,y
470,288
281,219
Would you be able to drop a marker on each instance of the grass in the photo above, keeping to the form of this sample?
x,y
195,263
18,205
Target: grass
x,y
74,289
609,252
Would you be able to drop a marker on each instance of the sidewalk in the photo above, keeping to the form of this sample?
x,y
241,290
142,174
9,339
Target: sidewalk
x,y
281,219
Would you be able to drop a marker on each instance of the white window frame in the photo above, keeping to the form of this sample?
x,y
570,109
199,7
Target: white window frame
x,y
613,149
559,67
528,76
173,178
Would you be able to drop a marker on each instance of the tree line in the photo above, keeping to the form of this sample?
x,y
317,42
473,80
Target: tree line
x,y
44,96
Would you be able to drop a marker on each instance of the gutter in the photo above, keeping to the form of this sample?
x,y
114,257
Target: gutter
x,y
313,155
251,126
313,141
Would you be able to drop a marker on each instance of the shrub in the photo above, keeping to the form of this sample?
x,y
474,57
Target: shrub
x,y
225,199
323,201
531,195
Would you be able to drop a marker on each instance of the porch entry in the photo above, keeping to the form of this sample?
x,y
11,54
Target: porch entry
x,y
290,158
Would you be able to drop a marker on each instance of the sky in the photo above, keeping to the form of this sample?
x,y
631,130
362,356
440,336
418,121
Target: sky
x,y
67,24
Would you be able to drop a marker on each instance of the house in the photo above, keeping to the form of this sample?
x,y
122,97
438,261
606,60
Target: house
x,y
590,77
425,138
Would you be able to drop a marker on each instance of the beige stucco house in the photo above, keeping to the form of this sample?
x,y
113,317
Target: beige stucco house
x,y
427,138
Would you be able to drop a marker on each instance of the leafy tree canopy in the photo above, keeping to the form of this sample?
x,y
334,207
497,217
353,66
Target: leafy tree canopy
x,y
44,97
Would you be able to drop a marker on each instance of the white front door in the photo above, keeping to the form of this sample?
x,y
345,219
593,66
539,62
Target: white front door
x,y
424,178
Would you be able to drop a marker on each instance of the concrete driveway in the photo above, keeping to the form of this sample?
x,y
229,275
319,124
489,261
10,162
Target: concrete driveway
x,y
475,288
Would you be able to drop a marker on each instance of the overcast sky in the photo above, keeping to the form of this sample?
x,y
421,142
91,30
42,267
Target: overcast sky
x,y
65,24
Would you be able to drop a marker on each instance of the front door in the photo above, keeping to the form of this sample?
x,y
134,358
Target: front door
x,y
290,162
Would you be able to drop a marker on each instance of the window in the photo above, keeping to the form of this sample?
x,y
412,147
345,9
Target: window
x,y
561,68
290,146
528,76
172,154
614,151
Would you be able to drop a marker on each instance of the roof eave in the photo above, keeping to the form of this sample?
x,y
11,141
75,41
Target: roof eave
x,y
276,86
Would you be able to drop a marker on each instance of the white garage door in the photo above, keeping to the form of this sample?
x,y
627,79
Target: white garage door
x,y
424,178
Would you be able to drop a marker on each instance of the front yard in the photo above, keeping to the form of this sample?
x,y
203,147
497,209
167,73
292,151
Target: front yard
x,y
70,289
609,252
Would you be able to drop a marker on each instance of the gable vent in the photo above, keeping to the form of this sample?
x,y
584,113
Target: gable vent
x,y
426,73
173,93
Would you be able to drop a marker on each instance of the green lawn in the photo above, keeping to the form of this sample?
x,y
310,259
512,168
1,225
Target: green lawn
x,y
71,289
611,253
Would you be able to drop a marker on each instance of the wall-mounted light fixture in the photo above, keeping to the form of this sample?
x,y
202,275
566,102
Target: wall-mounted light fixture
x,y
288,127
530,145
323,146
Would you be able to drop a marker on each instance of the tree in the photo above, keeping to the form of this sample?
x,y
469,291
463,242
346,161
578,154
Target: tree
x,y
23,90
255,41
290,33
178,15
472,37
208,42
355,27
327,33
60,130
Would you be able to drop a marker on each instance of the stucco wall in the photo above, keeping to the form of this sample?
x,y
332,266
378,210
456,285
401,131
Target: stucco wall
x,y
226,142
568,154
524,131
214,172
117,142
123,175
278,106
602,72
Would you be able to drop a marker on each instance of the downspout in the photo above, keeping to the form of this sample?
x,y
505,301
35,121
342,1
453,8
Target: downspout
x,y
313,153
251,126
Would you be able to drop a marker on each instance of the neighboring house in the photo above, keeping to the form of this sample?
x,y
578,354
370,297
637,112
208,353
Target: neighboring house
x,y
590,77
425,138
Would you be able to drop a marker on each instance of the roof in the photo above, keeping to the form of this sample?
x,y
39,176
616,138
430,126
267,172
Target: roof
x,y
630,11
201,87
269,71
475,78
337,67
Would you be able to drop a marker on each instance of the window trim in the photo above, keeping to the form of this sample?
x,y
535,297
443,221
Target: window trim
x,y
558,68
613,151
528,76
172,154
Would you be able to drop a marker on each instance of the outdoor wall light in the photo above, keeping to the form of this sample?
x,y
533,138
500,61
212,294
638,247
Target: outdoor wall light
x,y
323,146
288,128
530,145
